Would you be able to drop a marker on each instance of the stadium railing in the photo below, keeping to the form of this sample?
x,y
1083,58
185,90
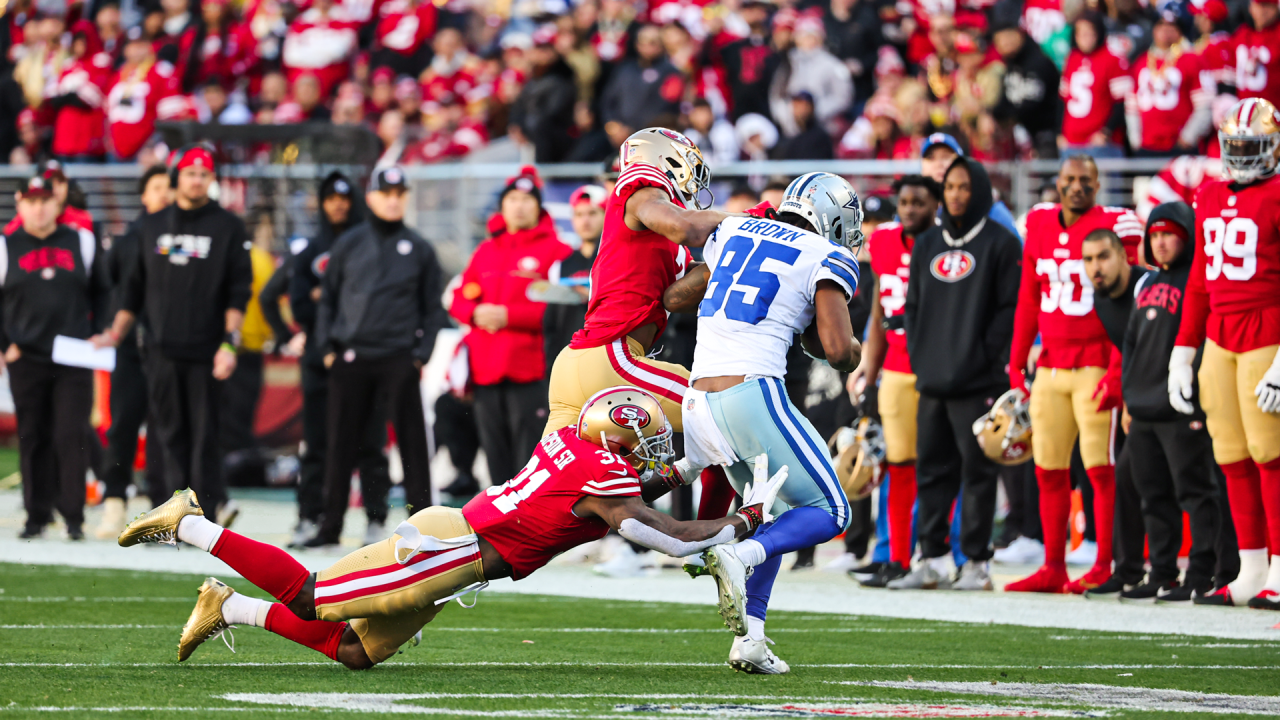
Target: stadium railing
x,y
451,202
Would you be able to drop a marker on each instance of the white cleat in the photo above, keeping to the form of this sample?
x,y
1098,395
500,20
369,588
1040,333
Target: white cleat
x,y
1085,555
625,563
1022,551
731,586
843,564
755,657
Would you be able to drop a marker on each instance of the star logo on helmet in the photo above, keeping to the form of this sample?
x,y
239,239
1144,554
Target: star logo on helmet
x,y
852,204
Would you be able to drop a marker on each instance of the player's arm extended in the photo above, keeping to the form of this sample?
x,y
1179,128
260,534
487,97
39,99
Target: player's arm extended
x,y
684,294
651,208
834,329
641,524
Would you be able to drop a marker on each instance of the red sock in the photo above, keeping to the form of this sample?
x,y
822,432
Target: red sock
x,y
323,636
1269,476
1244,493
1055,506
1103,478
717,494
902,500
266,566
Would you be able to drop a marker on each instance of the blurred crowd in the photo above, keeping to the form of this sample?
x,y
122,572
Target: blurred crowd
x,y
745,79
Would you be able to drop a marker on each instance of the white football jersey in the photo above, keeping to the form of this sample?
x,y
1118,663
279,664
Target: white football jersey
x,y
763,277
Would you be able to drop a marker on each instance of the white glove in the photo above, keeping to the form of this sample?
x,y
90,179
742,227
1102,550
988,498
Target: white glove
x,y
763,490
1182,379
1268,390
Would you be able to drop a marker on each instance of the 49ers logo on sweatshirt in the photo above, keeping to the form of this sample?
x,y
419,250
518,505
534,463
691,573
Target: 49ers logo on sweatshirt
x,y
952,266
181,248
47,260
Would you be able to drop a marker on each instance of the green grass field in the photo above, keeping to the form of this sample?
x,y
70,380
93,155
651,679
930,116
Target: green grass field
x,y
102,643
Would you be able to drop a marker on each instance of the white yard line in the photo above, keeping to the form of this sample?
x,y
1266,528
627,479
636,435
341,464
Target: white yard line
x,y
518,630
1107,696
483,663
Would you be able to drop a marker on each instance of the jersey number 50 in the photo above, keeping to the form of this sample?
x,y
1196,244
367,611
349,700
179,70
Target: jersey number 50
x,y
1237,239
731,289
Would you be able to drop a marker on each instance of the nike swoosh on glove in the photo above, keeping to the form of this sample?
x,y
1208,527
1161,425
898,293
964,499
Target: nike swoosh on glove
x,y
764,210
1268,389
1181,379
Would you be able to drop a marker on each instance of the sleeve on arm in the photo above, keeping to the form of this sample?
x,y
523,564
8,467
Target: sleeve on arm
x,y
269,300
654,539
841,267
605,480
462,308
240,272
1026,322
1008,283
642,175
433,316
134,277
327,307
1195,300
302,280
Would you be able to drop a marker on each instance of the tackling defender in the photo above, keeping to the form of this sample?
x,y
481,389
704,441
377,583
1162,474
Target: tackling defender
x,y
764,281
581,481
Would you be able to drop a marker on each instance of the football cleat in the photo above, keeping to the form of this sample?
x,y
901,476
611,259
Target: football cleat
x,y
887,573
113,519
206,620
694,566
755,657
1220,597
1045,580
731,586
974,576
923,577
1265,600
160,524
1109,590
1097,576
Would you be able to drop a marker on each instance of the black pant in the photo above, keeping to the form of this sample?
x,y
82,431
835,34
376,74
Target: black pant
x,y
1228,549
240,395
510,417
949,461
1172,469
1130,528
128,411
455,429
364,391
375,482
185,403
52,403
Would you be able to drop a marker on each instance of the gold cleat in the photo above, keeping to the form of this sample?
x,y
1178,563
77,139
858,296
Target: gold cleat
x,y
206,620
160,524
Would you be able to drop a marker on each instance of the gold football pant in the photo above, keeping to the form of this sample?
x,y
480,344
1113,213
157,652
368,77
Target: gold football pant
x,y
579,374
385,602
898,403
1062,406
1240,430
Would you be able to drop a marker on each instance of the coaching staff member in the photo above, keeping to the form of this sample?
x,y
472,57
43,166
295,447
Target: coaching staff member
x,y
128,382
192,280
380,310
959,321
49,285
1106,264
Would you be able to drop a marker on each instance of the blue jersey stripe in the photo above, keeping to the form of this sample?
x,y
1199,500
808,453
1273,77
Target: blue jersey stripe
x,y
830,484
790,429
840,272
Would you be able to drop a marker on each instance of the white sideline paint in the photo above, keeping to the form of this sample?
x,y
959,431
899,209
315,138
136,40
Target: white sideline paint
x,y
610,631
839,666
814,593
1105,696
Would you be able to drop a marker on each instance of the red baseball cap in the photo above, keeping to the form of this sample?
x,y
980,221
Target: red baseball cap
x,y
593,194
1215,10
37,187
195,157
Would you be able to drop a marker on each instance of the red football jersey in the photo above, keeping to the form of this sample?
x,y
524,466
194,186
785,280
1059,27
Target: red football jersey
x,y
131,105
1180,179
1042,19
79,126
322,45
891,262
1167,91
1233,294
1056,296
530,519
1090,87
632,268
1254,59
404,32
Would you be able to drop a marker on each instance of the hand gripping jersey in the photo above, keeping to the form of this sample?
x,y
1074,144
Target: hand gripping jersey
x,y
530,519
1056,297
764,275
1233,293
632,268
1090,87
891,262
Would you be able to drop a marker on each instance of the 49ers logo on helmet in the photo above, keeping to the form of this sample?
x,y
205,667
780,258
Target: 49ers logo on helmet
x,y
952,266
1017,449
676,136
625,415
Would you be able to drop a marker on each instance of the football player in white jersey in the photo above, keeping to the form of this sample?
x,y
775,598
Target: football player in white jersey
x,y
766,280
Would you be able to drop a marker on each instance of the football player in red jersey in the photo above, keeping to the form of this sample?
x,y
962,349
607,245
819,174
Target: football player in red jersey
x,y
653,215
1077,388
1169,106
1232,305
1253,53
581,481
885,358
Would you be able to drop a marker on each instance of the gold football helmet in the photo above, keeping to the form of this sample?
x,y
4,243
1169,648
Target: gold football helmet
x,y
629,422
1004,433
1250,140
675,155
860,453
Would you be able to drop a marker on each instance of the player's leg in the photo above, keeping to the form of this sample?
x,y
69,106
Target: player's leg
x,y
1262,433
1222,409
750,653
898,407
1054,437
1097,450
975,507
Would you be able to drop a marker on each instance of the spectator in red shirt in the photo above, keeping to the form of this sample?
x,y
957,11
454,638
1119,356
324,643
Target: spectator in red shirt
x,y
1094,85
505,344
401,38
321,40
79,97
138,87
1254,53
1169,109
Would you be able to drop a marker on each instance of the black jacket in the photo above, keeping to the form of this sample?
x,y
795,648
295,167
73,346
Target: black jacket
x,y
749,64
49,287
117,262
1031,90
962,297
382,293
1114,312
811,143
1153,327
191,267
560,322
544,112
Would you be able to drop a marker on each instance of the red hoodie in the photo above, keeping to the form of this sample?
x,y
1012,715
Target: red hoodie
x,y
500,272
